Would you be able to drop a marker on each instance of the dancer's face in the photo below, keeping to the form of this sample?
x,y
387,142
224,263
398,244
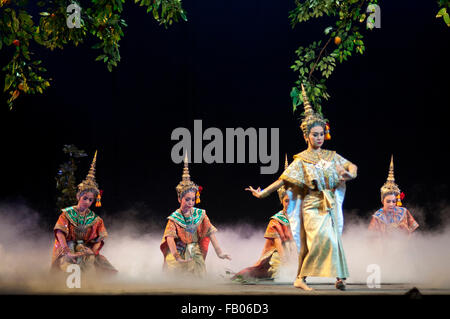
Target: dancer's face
x,y
316,137
389,203
285,202
187,202
85,200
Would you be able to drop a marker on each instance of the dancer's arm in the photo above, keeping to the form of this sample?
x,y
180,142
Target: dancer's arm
x,y
267,191
347,174
279,247
217,248
173,250
62,241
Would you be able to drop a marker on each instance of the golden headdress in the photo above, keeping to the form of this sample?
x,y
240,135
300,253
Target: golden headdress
x,y
311,117
390,186
282,190
186,184
89,184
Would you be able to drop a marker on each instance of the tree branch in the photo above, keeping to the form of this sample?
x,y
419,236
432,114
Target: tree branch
x,y
318,58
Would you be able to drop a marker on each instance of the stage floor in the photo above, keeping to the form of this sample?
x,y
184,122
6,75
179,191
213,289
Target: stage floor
x,y
261,288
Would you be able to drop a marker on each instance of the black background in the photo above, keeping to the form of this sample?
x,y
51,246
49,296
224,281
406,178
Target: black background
x,y
229,66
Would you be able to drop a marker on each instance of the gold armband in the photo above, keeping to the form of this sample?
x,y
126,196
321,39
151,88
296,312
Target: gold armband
x,y
270,189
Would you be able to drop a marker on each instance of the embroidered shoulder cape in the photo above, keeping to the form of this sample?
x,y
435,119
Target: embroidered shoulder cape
x,y
196,228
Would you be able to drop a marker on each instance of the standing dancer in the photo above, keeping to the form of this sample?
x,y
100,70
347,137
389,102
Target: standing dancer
x,y
392,217
317,179
188,232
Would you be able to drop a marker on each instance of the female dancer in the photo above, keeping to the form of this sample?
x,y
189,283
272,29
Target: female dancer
x,y
317,179
392,217
188,232
80,233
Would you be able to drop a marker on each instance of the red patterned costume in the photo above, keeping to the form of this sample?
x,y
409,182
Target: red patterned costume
x,y
267,266
80,230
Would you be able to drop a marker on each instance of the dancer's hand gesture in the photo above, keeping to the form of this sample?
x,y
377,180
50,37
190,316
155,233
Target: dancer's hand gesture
x,y
344,175
255,192
224,256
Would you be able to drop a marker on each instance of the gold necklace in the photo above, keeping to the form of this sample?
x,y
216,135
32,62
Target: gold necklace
x,y
315,155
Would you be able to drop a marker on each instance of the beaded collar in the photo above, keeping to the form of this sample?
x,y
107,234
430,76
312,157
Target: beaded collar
x,y
281,217
77,219
315,157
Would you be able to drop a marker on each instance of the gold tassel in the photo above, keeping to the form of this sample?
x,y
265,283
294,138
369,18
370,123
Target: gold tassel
x,y
98,202
327,132
399,201
197,200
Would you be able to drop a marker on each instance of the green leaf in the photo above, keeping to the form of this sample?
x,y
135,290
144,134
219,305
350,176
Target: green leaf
x,y
447,19
183,15
441,12
9,79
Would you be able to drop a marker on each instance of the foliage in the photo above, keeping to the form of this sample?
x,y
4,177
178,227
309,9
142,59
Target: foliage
x,y
100,19
66,184
444,11
316,62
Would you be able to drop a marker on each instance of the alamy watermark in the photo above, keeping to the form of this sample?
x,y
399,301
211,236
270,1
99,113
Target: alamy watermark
x,y
74,18
233,143
374,18
74,279
374,279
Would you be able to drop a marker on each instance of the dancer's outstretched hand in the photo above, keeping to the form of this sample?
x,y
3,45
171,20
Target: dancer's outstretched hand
x,y
255,192
224,256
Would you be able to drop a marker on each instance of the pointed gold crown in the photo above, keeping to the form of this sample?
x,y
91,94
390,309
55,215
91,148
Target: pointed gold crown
x,y
89,184
310,117
186,184
390,186
282,190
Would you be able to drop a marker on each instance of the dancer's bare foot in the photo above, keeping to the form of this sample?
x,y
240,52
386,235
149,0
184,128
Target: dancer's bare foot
x,y
299,283
340,284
